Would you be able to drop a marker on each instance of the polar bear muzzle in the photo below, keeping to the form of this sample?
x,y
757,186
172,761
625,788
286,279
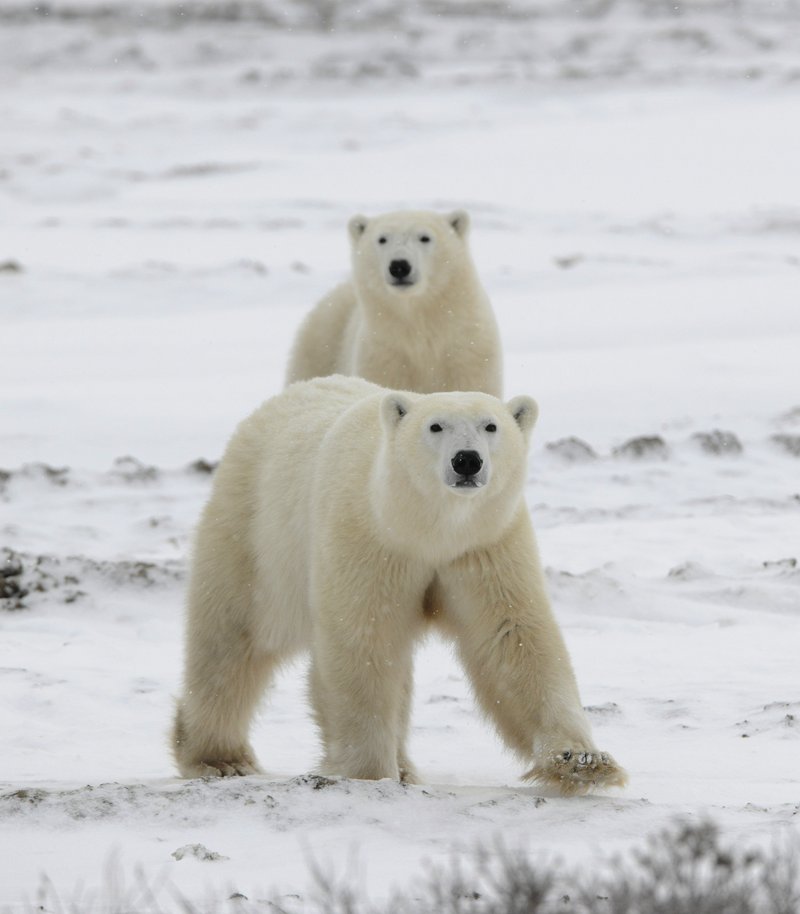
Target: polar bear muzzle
x,y
467,464
400,271
467,470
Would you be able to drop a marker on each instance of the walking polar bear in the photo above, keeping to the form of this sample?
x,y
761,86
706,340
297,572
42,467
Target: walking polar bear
x,y
414,315
345,519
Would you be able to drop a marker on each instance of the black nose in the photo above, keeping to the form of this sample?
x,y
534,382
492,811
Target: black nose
x,y
467,463
399,268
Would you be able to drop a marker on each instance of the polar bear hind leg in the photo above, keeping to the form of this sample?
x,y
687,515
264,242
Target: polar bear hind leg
x,y
227,668
210,736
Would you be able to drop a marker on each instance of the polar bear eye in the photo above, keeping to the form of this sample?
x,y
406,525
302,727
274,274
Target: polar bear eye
x,y
436,427
491,427
425,238
382,239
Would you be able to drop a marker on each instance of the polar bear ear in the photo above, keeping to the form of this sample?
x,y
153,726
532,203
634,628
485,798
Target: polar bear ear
x,y
357,226
525,412
459,220
393,407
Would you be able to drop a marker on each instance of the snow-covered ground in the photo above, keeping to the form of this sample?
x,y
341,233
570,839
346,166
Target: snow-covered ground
x,y
174,186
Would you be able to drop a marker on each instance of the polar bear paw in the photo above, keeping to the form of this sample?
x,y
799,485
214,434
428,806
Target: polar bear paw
x,y
574,772
408,773
224,765
224,768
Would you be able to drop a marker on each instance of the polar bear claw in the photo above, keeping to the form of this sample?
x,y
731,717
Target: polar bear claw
x,y
572,771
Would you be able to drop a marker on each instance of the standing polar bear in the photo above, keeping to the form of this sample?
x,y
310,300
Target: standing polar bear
x,y
346,519
414,315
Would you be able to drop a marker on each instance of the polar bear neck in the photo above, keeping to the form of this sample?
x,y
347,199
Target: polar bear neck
x,y
384,310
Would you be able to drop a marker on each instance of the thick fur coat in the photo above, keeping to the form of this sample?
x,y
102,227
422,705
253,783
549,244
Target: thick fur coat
x,y
345,520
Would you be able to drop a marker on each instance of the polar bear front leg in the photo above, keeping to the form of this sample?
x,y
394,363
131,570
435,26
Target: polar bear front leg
x,y
495,605
361,668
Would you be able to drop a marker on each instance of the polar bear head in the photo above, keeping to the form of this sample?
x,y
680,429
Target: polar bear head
x,y
405,256
451,467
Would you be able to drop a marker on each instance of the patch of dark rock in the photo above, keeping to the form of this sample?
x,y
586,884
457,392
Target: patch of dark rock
x,y
58,476
12,590
385,65
607,709
568,261
315,781
156,522
775,715
574,450
27,575
74,595
718,442
789,444
132,470
199,852
253,266
10,564
29,796
11,267
645,447
252,75
203,466
132,571
688,571
12,594
204,169
699,39
791,416
783,564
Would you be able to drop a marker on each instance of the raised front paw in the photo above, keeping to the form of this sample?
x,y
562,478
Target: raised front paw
x,y
573,771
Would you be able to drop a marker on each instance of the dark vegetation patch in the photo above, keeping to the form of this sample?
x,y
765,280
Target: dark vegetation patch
x,y
24,576
789,444
685,869
644,447
573,450
718,443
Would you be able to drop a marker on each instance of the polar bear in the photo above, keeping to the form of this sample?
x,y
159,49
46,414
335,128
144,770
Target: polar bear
x,y
414,316
345,520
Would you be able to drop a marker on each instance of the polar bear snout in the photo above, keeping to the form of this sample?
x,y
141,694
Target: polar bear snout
x,y
467,463
400,269
467,471
401,272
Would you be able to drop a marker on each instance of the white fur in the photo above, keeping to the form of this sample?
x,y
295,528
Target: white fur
x,y
434,332
334,527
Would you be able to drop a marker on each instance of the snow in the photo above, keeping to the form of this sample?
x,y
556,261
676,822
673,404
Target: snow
x,y
173,198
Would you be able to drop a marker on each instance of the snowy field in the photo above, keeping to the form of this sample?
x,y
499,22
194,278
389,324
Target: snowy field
x,y
174,187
